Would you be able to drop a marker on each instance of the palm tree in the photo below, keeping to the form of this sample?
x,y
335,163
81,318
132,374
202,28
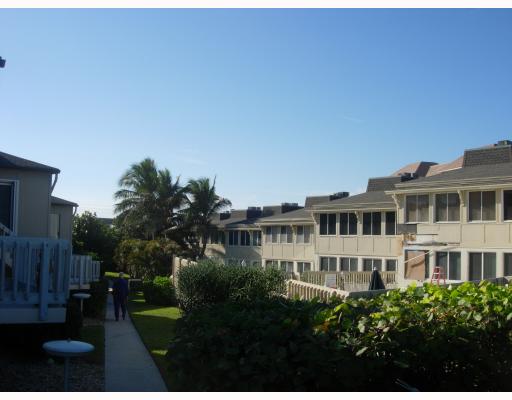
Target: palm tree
x,y
148,199
203,205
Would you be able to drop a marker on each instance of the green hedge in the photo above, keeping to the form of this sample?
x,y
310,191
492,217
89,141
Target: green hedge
x,y
160,291
431,338
208,283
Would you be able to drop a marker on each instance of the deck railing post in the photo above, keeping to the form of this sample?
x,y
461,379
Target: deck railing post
x,y
43,285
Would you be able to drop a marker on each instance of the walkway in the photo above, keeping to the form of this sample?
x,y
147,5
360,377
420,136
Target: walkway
x,y
128,365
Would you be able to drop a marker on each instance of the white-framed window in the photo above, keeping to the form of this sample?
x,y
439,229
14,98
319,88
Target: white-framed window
x,y
447,207
450,262
286,234
8,204
286,266
268,234
372,223
348,224
245,238
370,263
327,224
303,267
416,208
233,238
348,264
482,266
482,206
507,205
391,265
272,264
256,238
390,223
275,234
328,264
303,234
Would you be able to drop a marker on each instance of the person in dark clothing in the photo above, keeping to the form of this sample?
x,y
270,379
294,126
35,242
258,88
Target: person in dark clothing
x,y
120,293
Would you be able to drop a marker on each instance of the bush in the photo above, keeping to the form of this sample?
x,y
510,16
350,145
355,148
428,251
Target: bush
x,y
135,285
95,306
432,338
160,291
209,282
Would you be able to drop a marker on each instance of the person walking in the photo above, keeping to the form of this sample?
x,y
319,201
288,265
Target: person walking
x,y
120,293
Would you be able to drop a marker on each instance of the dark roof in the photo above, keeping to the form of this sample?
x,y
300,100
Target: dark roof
x,y
10,161
297,215
62,202
367,200
461,176
384,183
419,168
497,154
312,200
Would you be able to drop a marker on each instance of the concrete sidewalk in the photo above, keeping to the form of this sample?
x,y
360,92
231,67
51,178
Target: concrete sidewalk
x,y
128,365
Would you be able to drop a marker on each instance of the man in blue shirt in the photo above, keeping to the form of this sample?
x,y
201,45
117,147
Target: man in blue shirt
x,y
120,293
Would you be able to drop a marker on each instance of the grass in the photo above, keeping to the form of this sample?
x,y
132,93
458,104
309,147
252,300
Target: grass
x,y
156,326
95,335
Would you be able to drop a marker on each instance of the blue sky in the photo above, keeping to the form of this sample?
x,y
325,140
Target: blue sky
x,y
278,104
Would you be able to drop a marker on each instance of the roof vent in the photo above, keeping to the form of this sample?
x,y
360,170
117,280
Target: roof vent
x,y
285,207
338,195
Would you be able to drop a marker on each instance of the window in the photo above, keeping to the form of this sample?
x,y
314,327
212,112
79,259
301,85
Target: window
x,y
233,238
286,234
275,234
303,267
327,224
268,234
447,207
371,223
272,264
482,266
245,238
221,237
416,208
507,205
450,261
391,265
7,205
370,263
348,224
287,266
328,264
348,264
508,264
303,234
482,206
256,238
390,223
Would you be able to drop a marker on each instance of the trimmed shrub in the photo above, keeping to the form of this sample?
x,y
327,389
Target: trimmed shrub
x,y
432,338
135,285
209,282
160,291
95,306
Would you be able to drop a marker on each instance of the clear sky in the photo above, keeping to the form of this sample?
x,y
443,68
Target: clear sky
x,y
278,104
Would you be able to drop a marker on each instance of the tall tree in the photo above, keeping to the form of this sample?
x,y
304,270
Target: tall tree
x,y
203,205
148,199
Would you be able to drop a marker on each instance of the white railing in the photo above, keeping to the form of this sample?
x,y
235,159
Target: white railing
x,y
348,280
83,271
34,272
309,291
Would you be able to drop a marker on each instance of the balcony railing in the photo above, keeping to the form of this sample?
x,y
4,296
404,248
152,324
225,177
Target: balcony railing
x,y
34,274
349,281
83,271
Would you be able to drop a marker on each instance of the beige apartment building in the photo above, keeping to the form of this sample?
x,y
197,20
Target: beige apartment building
x,y
457,216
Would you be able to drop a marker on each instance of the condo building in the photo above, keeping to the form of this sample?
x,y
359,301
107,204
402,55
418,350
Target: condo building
x,y
457,216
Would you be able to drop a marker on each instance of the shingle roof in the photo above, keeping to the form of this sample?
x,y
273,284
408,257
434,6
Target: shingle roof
x,y
312,200
420,168
297,215
488,155
462,176
384,183
10,161
437,169
62,202
367,200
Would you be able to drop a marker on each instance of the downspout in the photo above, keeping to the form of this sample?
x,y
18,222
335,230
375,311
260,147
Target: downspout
x,y
54,183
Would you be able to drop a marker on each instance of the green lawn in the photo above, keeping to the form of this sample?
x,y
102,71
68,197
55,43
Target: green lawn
x,y
156,326
95,335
